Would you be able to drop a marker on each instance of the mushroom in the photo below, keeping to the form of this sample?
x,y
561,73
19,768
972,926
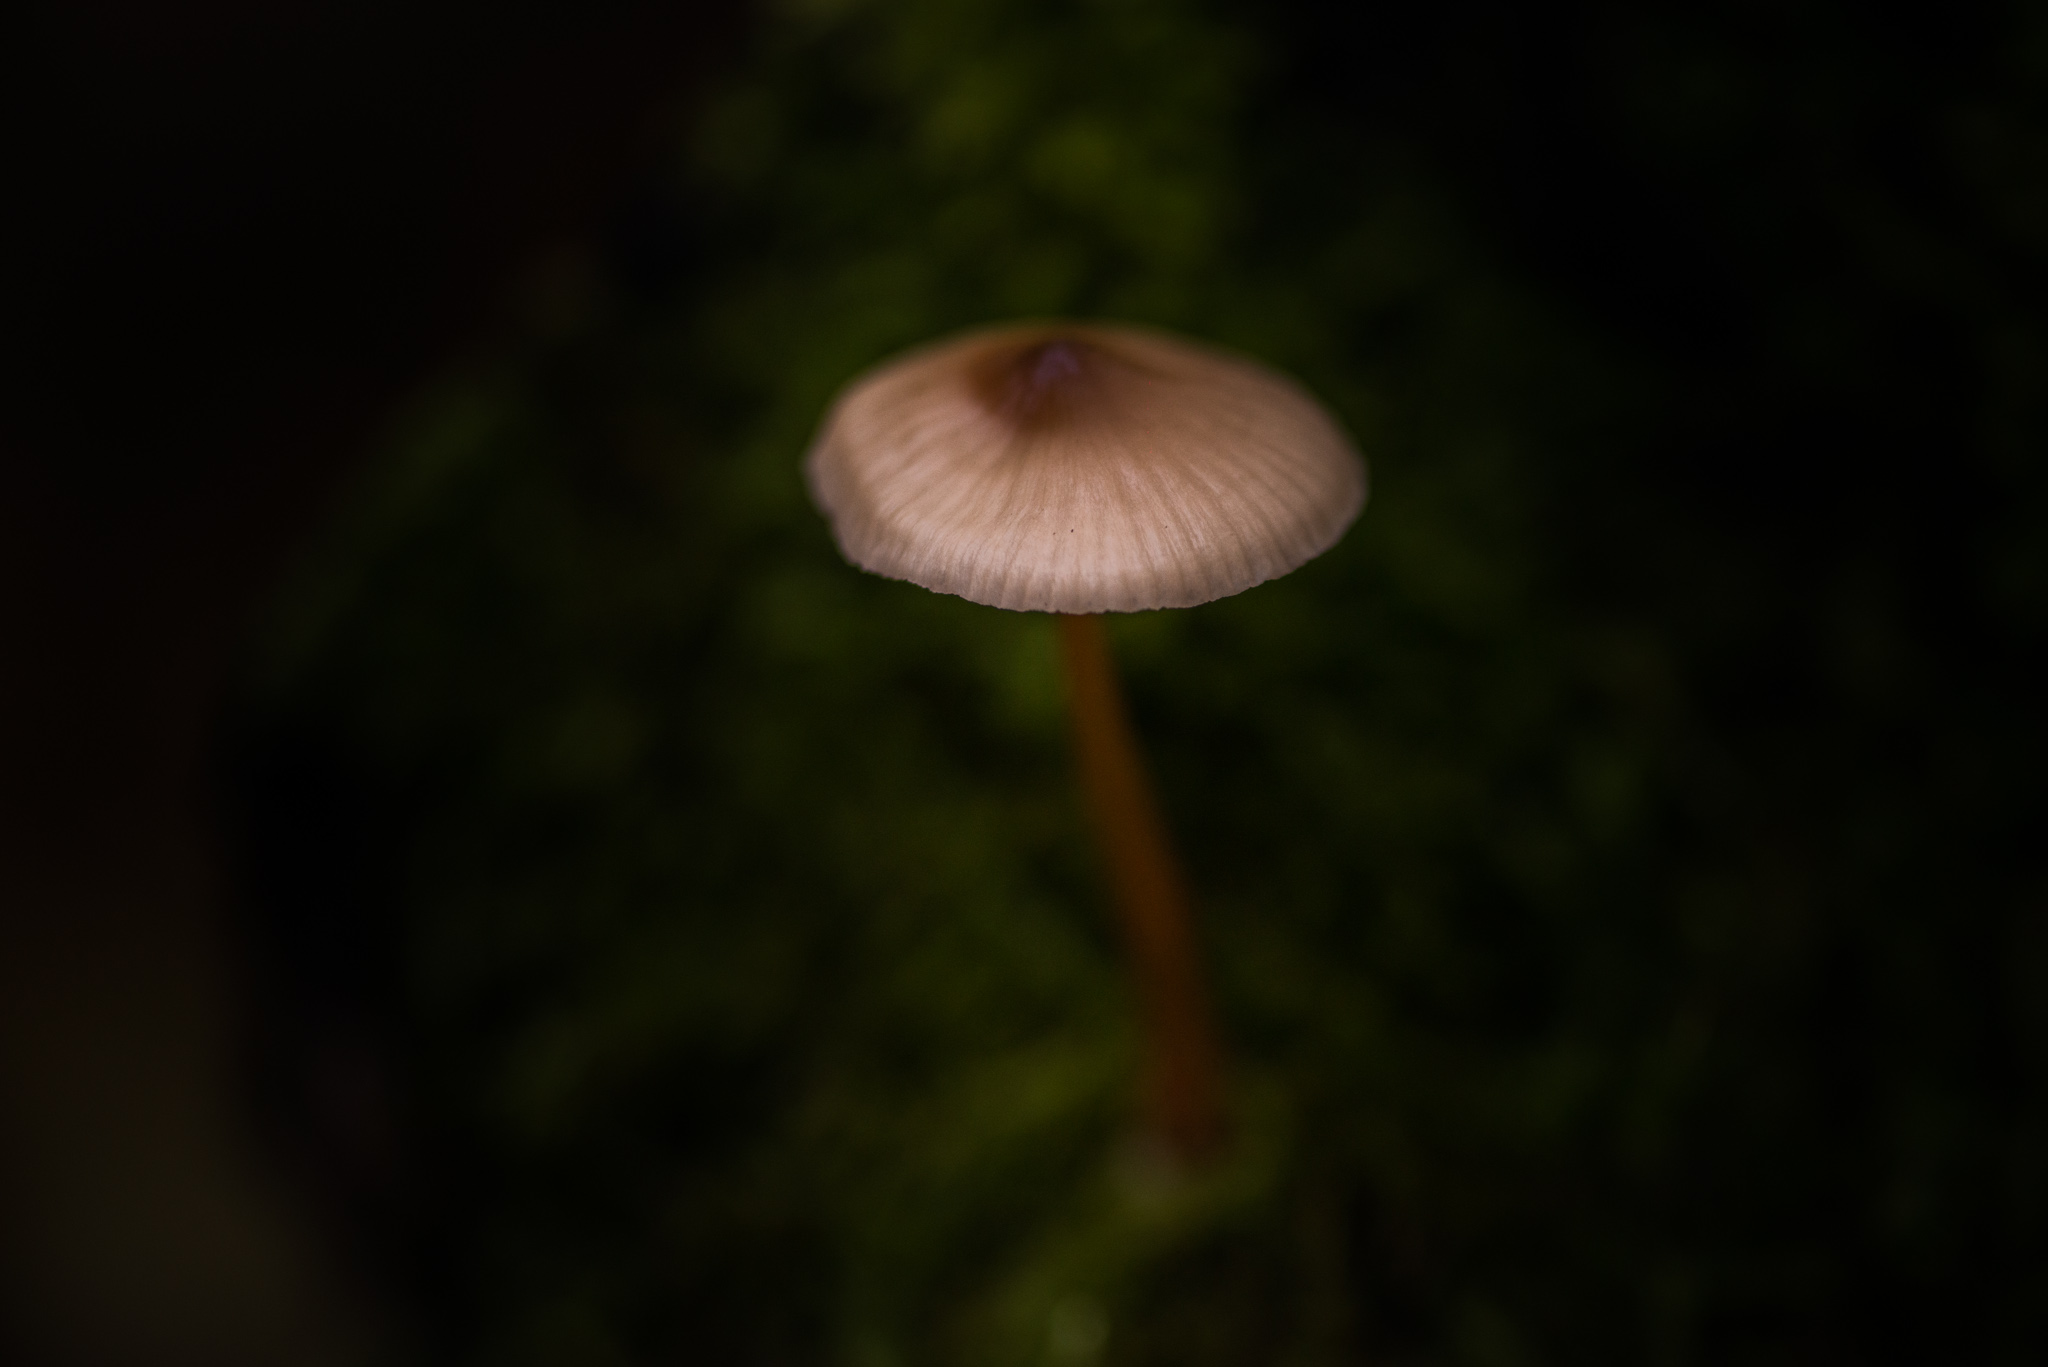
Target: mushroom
x,y
1078,469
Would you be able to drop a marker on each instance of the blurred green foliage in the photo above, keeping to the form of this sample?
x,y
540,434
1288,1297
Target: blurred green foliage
x,y
1617,888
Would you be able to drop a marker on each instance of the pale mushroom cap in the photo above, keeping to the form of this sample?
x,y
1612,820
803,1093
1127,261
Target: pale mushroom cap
x,y
1067,467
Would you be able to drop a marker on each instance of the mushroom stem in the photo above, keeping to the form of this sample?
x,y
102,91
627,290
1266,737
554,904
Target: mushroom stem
x,y
1182,1092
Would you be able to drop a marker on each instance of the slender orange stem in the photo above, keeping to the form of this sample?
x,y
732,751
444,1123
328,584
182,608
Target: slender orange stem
x,y
1182,1089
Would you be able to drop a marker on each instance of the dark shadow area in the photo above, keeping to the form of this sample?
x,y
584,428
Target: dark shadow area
x,y
237,236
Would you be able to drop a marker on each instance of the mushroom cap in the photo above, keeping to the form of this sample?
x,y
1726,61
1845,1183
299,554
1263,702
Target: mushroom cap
x,y
1079,468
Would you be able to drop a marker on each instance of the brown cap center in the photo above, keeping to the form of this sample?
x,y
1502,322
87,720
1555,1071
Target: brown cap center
x,y
1040,384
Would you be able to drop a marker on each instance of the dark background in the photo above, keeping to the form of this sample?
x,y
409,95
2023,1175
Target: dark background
x,y
237,234
1778,370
